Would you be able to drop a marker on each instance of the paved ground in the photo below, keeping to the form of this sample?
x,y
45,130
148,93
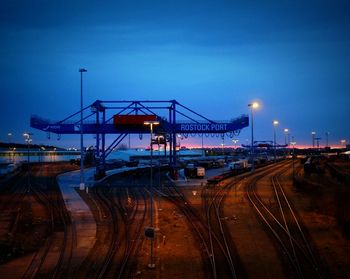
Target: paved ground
x,y
82,218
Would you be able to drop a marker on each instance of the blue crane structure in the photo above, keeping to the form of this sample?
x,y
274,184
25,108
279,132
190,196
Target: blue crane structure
x,y
173,117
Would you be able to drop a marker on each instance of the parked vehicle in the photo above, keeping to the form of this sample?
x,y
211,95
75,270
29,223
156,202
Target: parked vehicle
x,y
238,165
191,171
220,163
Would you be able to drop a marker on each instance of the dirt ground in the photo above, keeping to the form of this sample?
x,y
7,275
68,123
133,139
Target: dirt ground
x,y
176,252
324,204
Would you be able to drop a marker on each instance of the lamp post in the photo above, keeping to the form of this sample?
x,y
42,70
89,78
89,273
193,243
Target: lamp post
x,y
9,135
179,138
286,133
343,142
327,135
159,185
203,153
293,143
252,107
28,140
235,142
151,124
313,134
82,183
275,123
286,140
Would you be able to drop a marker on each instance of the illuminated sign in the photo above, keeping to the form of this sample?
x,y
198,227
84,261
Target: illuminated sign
x,y
214,127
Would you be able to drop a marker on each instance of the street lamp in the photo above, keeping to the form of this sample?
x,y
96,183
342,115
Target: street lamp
x,y
28,140
235,142
9,135
275,124
203,153
327,135
286,133
151,124
82,183
313,134
343,142
252,106
179,138
286,141
159,140
293,143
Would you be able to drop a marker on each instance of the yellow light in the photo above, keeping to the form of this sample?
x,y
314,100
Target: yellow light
x,y
275,122
254,105
151,123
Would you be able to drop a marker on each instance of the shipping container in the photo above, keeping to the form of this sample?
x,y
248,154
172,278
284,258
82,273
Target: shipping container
x,y
133,119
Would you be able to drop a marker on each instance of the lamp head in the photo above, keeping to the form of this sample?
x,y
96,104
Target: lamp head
x,y
254,105
151,123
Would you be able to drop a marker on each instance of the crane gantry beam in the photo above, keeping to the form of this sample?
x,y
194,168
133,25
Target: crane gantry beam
x,y
104,118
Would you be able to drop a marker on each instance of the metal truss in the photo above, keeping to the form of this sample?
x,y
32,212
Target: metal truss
x,y
174,119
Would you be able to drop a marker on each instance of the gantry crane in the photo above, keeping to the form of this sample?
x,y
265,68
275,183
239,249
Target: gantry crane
x,y
127,117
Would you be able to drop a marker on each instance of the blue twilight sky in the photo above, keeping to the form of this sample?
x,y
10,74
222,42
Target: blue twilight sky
x,y
212,56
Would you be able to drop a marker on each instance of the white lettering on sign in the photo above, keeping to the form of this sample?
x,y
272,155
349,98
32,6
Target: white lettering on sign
x,y
203,127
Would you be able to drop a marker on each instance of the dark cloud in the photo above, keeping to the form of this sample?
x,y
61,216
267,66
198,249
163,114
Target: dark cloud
x,y
295,52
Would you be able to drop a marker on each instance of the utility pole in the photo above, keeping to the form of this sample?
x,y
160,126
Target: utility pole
x,y
275,123
28,140
82,183
252,107
151,124
327,135
293,143
313,134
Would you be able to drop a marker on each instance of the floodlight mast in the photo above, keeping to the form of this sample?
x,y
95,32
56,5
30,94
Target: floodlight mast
x,y
82,183
151,124
252,106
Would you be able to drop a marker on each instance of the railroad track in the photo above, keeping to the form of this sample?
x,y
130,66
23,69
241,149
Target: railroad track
x,y
61,231
12,206
218,250
121,217
136,213
285,226
212,198
337,172
198,226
